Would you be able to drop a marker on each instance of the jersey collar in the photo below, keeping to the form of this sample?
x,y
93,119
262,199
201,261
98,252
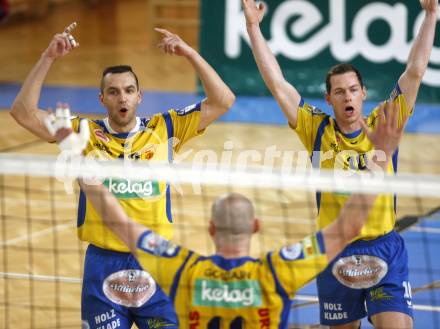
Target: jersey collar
x,y
228,264
135,129
354,134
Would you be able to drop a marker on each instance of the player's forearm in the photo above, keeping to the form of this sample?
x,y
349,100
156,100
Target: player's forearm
x,y
353,215
267,64
285,94
348,225
217,92
112,214
421,49
418,59
357,208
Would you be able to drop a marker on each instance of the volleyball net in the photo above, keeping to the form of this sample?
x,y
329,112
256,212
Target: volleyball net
x,y
42,259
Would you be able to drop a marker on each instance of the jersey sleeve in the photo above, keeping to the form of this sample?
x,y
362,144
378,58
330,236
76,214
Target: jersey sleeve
x,y
397,97
162,258
75,124
297,264
185,124
308,121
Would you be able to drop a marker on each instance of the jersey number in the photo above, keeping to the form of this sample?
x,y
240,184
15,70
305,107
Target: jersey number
x,y
237,323
407,287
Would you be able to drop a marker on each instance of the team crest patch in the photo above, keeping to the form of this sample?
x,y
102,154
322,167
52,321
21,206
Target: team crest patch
x,y
316,111
187,110
130,288
313,110
100,135
291,252
157,245
360,271
149,151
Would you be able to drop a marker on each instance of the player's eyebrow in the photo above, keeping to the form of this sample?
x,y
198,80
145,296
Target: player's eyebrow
x,y
356,85
111,88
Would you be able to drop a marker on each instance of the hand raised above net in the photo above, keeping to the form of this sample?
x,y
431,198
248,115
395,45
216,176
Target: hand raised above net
x,y
60,126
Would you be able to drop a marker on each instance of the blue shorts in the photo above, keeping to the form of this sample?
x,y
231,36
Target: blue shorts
x,y
367,278
116,292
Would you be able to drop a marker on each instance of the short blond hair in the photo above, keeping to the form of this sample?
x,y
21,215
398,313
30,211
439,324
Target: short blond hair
x,y
233,214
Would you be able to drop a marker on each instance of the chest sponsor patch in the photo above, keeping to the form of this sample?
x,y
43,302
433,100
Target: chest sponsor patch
x,y
360,271
130,288
129,189
233,294
101,136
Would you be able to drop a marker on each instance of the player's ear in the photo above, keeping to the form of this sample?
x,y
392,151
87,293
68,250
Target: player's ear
x,y
364,93
101,98
139,97
256,225
211,228
327,98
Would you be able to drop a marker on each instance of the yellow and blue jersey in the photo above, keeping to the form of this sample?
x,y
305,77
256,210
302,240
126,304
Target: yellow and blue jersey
x,y
146,201
214,292
329,148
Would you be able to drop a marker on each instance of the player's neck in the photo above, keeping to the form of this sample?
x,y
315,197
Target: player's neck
x,y
233,250
348,128
122,129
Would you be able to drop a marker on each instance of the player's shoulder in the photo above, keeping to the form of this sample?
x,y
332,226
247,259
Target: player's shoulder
x,y
75,120
395,96
311,109
155,121
395,93
184,111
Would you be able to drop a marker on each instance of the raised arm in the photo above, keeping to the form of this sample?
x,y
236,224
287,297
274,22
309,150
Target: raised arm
x,y
418,58
285,94
25,107
348,225
219,98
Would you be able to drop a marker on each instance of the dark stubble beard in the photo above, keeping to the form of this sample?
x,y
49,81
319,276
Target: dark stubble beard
x,y
122,122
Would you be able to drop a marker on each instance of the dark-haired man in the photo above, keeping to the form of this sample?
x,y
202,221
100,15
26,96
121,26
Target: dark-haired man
x,y
106,300
340,143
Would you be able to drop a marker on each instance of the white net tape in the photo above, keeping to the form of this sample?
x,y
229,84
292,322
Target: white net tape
x,y
67,169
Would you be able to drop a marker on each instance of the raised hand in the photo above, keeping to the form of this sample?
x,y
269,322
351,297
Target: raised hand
x,y
253,12
172,44
387,133
62,43
429,5
60,126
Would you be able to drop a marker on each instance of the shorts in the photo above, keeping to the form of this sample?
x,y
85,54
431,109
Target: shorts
x,y
367,278
116,292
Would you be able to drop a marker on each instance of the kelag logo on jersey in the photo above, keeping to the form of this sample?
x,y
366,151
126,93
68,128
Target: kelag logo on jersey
x,y
244,293
128,189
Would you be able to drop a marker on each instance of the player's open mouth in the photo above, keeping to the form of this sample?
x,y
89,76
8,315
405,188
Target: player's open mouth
x,y
349,110
123,111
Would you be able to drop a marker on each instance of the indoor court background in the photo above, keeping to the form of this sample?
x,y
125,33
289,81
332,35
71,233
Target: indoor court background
x,y
40,256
